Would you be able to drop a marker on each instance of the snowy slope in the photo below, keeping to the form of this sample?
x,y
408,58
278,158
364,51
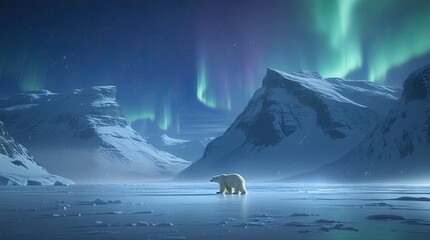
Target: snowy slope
x,y
17,166
84,136
397,149
190,150
293,123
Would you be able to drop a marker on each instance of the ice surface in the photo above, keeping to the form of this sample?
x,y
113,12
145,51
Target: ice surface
x,y
194,211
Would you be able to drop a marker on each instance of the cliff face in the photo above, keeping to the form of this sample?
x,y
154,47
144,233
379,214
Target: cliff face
x,y
83,135
17,166
397,148
293,123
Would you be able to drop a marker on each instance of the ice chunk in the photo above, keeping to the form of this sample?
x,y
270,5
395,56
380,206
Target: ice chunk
x,y
166,224
302,215
144,224
253,224
98,201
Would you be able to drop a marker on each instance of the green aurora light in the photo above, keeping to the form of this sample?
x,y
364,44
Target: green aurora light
x,y
140,115
165,119
410,39
348,24
213,94
203,93
335,21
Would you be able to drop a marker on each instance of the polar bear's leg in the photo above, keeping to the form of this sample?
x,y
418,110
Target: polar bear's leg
x,y
242,188
221,188
229,190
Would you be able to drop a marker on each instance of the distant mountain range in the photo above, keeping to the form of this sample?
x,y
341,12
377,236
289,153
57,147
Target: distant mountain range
x,y
17,166
397,149
190,150
83,136
298,127
295,123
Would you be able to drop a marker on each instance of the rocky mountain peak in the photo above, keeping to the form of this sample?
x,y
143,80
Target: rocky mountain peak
x,y
417,86
275,78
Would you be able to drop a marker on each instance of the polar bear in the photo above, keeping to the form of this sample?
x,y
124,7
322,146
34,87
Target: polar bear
x,y
233,183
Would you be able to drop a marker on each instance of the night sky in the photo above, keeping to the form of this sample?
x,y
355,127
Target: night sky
x,y
189,67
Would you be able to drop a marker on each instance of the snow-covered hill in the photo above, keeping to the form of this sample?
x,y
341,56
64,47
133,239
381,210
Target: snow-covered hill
x,y
396,150
17,166
84,136
293,123
190,150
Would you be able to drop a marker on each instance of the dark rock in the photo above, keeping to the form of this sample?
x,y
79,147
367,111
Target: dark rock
x,y
58,183
417,222
302,215
33,183
5,181
296,224
324,229
338,225
385,217
414,88
421,199
348,229
19,163
325,221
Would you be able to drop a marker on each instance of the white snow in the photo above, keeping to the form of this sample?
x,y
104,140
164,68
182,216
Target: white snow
x,y
18,175
83,135
319,85
294,123
172,141
395,149
188,149
17,166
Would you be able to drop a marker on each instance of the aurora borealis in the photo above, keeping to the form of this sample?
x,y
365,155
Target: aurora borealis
x,y
174,59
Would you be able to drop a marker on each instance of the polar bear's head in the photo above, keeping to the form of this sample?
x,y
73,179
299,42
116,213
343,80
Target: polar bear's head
x,y
215,179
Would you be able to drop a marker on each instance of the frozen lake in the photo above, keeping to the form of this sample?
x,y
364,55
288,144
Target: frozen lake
x,y
194,211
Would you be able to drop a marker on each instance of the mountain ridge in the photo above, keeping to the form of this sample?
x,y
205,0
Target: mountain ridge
x,y
87,131
289,114
17,166
396,149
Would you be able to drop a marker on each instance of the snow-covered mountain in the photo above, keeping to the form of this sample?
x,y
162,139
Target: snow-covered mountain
x,y
190,150
17,166
396,150
84,136
293,123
